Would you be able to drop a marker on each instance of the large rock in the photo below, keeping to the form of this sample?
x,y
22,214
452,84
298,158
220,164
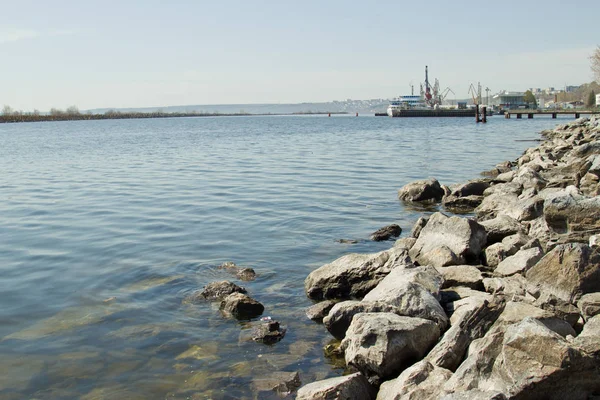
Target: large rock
x,y
475,394
520,262
353,275
500,227
461,275
414,292
424,190
515,312
571,212
340,316
420,381
589,305
349,387
381,345
463,237
568,271
527,361
471,320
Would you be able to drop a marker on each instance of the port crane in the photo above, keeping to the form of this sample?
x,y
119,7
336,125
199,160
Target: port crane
x,y
475,93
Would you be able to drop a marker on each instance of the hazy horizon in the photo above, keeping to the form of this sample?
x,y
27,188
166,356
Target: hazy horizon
x,y
147,55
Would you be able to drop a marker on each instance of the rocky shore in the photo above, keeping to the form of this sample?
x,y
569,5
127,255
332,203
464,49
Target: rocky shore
x,y
500,303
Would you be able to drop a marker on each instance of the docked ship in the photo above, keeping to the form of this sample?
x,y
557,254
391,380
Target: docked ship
x,y
427,104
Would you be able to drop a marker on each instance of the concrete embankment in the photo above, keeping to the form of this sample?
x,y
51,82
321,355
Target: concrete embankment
x,y
502,304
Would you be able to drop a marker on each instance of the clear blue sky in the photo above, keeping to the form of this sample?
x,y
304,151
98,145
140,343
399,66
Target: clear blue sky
x,y
157,53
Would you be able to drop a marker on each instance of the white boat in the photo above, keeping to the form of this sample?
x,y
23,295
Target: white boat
x,y
412,102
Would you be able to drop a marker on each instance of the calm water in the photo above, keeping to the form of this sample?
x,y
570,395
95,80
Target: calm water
x,y
106,226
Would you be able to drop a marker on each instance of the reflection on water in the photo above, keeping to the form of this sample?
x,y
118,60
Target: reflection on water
x,y
109,225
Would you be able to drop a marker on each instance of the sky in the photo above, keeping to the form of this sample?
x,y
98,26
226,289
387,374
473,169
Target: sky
x,y
114,54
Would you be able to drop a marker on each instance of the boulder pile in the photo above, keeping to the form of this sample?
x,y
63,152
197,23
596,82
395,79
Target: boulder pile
x,y
502,305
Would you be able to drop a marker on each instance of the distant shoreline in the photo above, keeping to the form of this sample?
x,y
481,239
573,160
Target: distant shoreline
x,y
17,118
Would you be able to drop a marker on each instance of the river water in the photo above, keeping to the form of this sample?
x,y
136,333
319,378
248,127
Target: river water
x,y
107,226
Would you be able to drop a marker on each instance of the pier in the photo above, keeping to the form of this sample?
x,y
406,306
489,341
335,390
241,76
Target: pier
x,y
530,113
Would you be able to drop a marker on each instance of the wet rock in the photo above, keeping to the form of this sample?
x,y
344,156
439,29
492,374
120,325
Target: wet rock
x,y
474,187
380,345
349,387
589,305
461,236
520,262
385,233
420,381
269,332
418,226
423,190
241,306
568,271
461,204
217,290
280,382
353,275
318,311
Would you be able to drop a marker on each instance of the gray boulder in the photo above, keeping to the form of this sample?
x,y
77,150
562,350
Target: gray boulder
x,y
461,275
475,394
520,262
589,304
500,227
568,271
420,381
423,190
340,316
461,236
471,320
570,213
353,275
527,361
381,345
349,387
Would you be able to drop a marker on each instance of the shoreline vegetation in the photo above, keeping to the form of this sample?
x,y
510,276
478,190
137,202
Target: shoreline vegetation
x,y
57,115
501,303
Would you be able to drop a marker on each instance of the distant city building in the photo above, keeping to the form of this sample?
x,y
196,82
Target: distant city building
x,y
509,100
571,89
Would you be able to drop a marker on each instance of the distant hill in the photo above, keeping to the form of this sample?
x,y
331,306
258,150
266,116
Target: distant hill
x,y
350,106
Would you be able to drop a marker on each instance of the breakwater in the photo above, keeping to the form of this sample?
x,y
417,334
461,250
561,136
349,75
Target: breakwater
x,y
503,304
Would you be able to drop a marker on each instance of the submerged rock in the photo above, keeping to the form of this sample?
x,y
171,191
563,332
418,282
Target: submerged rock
x,y
268,332
241,306
216,290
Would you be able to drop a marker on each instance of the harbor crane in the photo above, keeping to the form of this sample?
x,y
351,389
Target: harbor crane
x,y
475,93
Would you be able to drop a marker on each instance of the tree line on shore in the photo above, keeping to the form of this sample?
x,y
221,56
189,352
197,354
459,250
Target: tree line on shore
x,y
73,114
